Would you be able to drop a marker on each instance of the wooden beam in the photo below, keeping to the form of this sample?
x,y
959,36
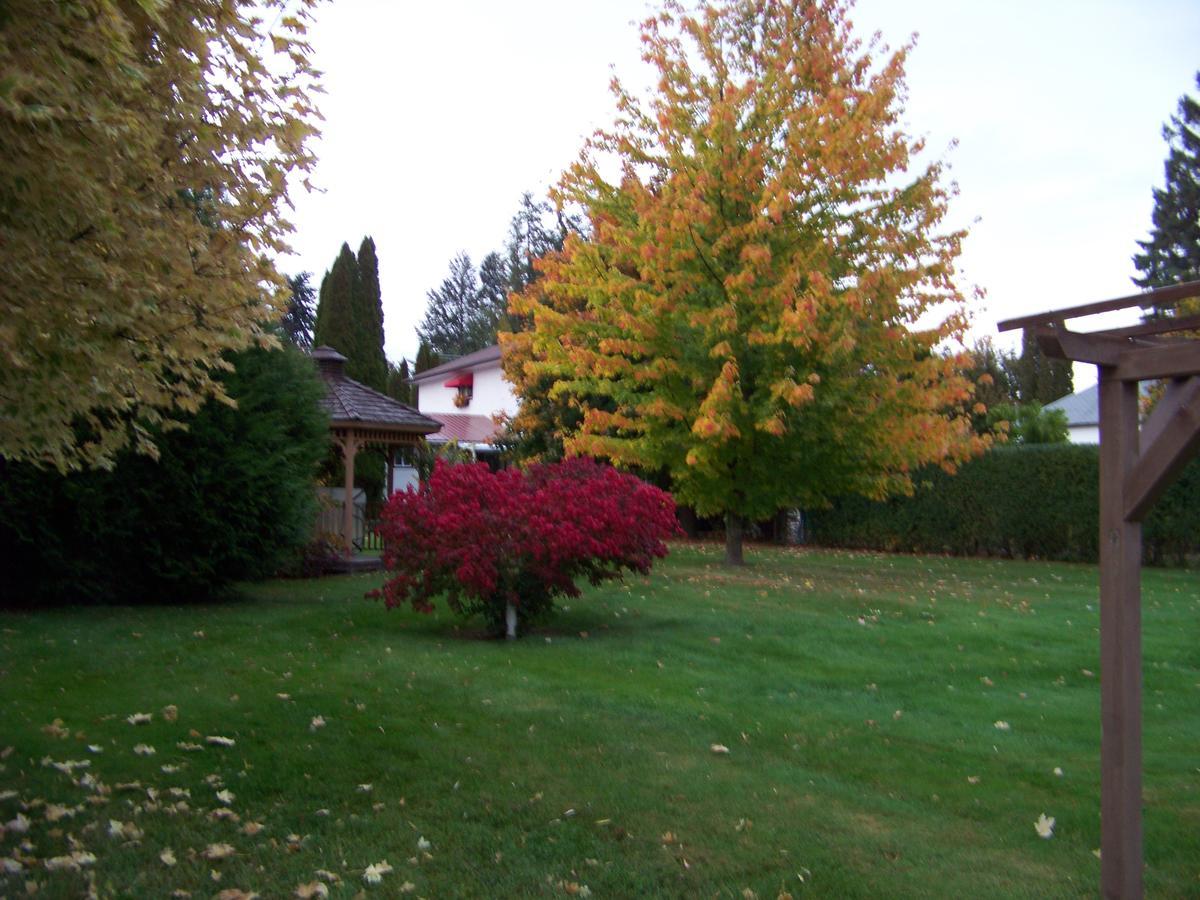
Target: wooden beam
x,y
1176,440
1165,325
1161,297
1059,343
1120,646
1166,361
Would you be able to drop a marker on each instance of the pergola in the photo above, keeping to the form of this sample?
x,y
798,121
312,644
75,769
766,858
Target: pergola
x,y
362,417
1137,463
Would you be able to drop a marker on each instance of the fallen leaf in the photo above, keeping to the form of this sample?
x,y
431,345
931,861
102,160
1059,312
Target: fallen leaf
x,y
252,828
719,748
1044,826
144,750
139,718
317,722
311,890
170,713
1002,726
374,873
220,741
226,797
218,851
167,857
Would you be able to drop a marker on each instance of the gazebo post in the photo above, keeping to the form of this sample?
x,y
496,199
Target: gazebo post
x,y
1131,479
349,449
391,464
1120,644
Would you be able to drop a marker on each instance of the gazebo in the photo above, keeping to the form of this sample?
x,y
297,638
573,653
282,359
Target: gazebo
x,y
1138,461
361,417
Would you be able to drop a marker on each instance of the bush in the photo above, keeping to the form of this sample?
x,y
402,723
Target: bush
x,y
505,544
229,498
1033,501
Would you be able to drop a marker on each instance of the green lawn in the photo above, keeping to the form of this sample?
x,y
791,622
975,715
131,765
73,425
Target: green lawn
x,y
857,695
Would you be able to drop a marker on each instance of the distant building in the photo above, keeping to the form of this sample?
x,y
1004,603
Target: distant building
x,y
1083,415
465,395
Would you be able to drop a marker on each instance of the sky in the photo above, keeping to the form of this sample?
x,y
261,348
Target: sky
x,y
439,116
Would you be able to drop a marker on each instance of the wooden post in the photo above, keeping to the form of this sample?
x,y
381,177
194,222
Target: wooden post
x,y
349,449
1120,645
391,464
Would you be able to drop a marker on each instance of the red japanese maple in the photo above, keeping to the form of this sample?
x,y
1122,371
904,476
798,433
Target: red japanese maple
x,y
505,544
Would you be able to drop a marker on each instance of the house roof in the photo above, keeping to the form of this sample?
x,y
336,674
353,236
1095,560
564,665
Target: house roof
x,y
464,428
1082,408
348,401
478,358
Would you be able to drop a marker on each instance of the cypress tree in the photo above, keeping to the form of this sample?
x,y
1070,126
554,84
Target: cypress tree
x,y
369,318
1039,378
350,316
398,387
1172,253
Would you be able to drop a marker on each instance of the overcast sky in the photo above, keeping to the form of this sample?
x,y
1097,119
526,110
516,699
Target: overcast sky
x,y
438,117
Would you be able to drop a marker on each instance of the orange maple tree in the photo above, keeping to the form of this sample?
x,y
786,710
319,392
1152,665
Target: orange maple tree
x,y
759,308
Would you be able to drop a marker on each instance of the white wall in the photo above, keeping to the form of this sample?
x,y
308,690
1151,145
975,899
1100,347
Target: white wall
x,y
490,394
1084,434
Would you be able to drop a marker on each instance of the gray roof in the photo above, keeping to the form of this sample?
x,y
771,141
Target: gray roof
x,y
346,400
487,354
1082,408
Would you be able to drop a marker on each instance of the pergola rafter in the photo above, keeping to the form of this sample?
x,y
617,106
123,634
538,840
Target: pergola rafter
x,y
1137,463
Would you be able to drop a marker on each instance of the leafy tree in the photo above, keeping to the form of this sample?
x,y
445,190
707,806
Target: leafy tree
x,y
1172,252
301,314
230,497
506,544
1038,378
456,321
991,370
1030,423
350,316
765,286
146,151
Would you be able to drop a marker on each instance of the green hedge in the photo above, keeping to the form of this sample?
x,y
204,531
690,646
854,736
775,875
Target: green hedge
x,y
1031,501
229,498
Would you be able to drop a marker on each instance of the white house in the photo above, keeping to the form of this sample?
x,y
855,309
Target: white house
x,y
465,395
1083,415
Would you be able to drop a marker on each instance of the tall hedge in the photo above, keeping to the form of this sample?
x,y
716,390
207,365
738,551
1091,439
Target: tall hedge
x,y
1031,501
229,498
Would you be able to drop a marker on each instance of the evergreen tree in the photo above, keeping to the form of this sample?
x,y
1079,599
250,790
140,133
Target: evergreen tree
x,y
300,317
457,321
426,359
1039,378
398,387
369,306
350,317
1172,253
493,289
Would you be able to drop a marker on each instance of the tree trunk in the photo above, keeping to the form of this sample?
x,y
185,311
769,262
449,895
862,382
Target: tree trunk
x,y
734,527
510,622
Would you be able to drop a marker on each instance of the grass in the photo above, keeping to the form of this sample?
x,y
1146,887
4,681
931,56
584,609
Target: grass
x,y
856,693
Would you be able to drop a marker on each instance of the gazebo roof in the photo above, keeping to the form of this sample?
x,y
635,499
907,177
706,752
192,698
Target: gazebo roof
x,y
350,403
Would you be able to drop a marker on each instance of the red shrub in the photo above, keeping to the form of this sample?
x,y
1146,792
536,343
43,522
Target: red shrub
x,y
490,540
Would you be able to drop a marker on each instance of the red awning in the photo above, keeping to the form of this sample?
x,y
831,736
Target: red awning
x,y
463,380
